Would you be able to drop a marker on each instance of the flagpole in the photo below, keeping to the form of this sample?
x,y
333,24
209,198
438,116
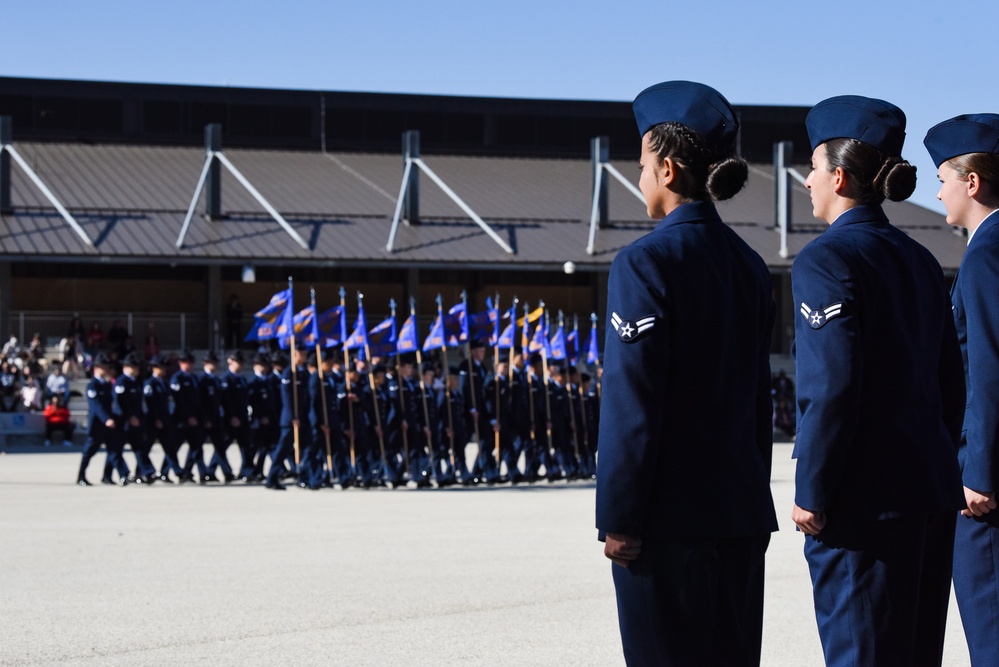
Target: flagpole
x,y
582,405
374,397
423,387
526,351
544,370
496,435
471,378
513,325
294,379
596,363
346,375
402,400
322,388
447,391
568,390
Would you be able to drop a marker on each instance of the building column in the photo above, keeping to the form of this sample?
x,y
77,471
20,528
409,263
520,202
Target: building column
x,y
213,308
6,294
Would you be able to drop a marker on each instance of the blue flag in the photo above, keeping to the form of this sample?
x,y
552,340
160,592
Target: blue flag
x,y
484,326
456,325
302,324
540,340
329,328
506,340
359,337
556,347
572,347
592,352
271,317
382,339
435,339
408,342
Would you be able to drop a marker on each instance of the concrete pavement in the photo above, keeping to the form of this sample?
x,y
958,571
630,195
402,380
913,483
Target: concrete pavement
x,y
244,576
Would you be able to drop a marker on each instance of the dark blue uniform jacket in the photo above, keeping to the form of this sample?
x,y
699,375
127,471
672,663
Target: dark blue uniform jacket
x,y
686,414
880,386
976,314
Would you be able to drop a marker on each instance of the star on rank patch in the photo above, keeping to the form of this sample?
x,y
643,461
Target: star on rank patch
x,y
629,330
817,317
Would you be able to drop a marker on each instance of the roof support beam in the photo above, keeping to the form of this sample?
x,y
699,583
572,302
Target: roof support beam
x,y
783,173
408,194
602,167
6,137
8,148
213,207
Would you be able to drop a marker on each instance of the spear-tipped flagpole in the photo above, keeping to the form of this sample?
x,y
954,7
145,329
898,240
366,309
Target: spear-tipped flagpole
x,y
447,390
423,391
544,371
404,427
294,378
568,391
582,403
596,364
322,391
346,375
374,393
496,377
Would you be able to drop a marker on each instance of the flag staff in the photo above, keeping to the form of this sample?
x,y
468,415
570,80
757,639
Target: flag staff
x,y
322,385
374,396
568,390
346,375
496,433
596,362
294,376
423,390
447,391
544,370
526,351
402,401
582,404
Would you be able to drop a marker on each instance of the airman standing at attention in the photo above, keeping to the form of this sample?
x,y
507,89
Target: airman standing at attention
x,y
688,300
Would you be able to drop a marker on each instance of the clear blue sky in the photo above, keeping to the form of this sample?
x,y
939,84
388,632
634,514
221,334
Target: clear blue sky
x,y
933,59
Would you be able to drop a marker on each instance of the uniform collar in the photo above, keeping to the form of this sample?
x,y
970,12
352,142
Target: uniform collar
x,y
991,220
863,213
698,211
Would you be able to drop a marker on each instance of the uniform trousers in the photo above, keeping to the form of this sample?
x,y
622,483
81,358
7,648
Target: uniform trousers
x,y
111,439
693,602
976,584
168,441
881,589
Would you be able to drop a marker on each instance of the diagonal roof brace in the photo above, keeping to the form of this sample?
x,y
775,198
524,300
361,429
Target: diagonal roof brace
x,y
7,147
602,167
211,155
412,160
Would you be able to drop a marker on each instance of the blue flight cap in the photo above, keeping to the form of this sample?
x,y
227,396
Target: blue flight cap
x,y
875,122
699,107
968,133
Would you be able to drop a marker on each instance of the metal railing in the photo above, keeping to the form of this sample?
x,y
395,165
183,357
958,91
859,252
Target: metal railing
x,y
174,331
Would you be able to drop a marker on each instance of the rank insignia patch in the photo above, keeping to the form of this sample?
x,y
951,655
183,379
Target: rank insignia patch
x,y
628,330
818,317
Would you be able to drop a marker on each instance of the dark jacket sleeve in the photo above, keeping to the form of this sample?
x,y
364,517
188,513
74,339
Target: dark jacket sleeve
x,y
633,394
829,362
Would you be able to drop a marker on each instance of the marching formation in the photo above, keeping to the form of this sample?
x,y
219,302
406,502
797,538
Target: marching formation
x,y
383,416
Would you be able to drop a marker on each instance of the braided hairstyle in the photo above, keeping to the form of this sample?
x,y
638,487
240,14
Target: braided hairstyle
x,y
874,176
708,173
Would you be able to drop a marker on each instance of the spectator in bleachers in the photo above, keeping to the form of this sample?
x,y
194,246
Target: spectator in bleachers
x,y
32,392
10,348
57,385
57,418
10,387
69,356
36,348
95,338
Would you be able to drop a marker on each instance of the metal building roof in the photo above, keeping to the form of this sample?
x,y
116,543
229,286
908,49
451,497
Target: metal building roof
x,y
131,200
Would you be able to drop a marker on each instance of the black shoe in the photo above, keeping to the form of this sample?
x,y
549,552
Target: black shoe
x,y
165,479
230,478
123,481
107,481
288,475
277,486
205,479
82,481
302,485
186,479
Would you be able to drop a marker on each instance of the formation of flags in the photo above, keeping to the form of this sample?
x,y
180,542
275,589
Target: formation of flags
x,y
452,328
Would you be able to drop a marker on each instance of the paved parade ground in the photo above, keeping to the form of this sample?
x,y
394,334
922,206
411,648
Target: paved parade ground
x,y
244,576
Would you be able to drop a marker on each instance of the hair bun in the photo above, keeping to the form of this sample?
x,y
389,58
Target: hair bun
x,y
898,180
726,177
